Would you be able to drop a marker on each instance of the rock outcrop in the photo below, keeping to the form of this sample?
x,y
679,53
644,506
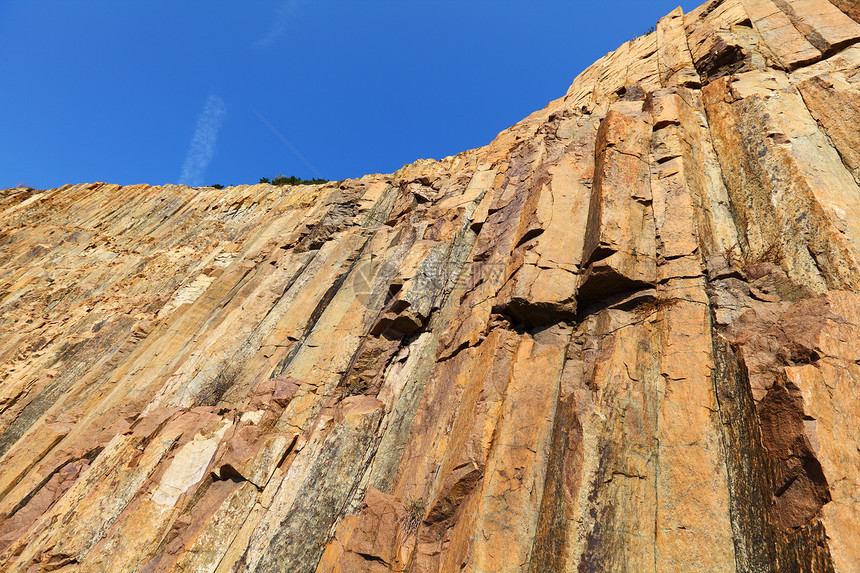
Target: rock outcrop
x,y
624,336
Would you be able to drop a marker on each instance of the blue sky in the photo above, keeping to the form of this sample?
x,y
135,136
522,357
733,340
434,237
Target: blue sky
x,y
227,92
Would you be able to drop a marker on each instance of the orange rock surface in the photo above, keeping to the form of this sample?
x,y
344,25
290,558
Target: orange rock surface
x,y
622,337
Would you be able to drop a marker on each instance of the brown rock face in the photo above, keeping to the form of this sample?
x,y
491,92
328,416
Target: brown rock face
x,y
623,337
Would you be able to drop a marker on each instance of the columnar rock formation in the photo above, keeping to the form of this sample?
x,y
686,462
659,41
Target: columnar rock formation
x,y
624,336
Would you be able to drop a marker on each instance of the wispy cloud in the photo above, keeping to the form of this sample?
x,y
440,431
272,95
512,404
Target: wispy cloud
x,y
281,23
203,143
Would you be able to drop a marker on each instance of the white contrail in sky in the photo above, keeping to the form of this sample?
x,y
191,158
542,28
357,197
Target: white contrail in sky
x,y
290,145
280,23
203,143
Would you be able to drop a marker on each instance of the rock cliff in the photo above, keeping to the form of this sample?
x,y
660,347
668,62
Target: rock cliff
x,y
623,337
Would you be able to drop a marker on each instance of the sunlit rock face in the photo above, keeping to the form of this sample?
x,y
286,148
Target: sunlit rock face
x,y
623,337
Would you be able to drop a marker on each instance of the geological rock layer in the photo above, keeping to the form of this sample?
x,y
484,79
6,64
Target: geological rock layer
x,y
624,337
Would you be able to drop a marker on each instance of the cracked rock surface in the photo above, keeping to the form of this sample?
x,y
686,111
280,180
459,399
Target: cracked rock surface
x,y
622,337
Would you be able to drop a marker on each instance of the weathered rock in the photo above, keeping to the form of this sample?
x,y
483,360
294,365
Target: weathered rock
x,y
621,337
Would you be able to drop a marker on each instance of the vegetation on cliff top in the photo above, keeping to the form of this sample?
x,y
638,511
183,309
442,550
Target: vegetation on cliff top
x,y
281,180
291,180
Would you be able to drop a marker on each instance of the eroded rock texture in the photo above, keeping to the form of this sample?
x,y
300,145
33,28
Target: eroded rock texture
x,y
623,337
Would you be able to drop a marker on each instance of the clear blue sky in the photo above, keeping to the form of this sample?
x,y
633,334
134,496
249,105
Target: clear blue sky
x,y
227,92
